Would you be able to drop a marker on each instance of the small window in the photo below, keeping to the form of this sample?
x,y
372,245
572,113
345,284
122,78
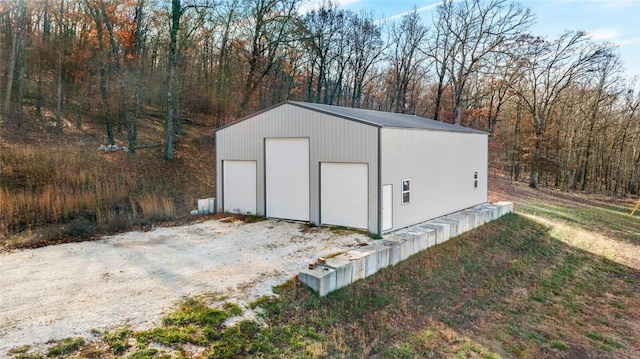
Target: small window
x,y
406,191
475,179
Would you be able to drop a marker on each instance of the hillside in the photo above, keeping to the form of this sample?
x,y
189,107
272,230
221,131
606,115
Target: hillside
x,y
60,187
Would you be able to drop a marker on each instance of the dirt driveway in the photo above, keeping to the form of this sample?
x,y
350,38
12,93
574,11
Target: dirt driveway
x,y
133,279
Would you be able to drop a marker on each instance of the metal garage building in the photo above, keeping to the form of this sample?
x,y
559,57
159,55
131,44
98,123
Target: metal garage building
x,y
333,165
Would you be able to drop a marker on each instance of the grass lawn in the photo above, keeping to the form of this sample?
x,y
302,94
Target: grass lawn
x,y
529,285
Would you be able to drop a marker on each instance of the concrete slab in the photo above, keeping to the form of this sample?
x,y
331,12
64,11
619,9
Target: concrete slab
x,y
471,219
344,269
425,238
412,242
493,213
321,279
504,207
358,261
480,217
438,229
431,237
394,251
462,222
377,260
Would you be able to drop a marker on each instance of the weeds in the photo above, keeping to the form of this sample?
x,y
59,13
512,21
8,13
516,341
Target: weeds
x,y
74,191
66,346
117,341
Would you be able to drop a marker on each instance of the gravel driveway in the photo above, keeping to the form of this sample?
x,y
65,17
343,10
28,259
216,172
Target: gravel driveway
x,y
133,279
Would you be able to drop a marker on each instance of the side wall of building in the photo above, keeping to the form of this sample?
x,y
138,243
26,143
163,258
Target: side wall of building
x,y
331,139
440,166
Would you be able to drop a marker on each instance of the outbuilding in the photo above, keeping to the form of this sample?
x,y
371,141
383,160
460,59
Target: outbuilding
x,y
331,165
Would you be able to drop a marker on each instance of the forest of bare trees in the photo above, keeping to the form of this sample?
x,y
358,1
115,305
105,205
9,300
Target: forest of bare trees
x,y
559,110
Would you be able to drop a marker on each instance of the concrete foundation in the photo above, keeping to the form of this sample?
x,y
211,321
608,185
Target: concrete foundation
x,y
381,255
321,279
358,260
344,269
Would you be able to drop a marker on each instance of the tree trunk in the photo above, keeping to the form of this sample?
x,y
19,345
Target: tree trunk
x,y
537,155
439,92
585,172
21,61
115,51
176,12
59,70
46,32
139,34
105,102
10,74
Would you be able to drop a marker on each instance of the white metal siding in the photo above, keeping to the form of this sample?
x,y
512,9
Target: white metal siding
x,y
287,178
239,187
440,165
387,207
331,139
344,194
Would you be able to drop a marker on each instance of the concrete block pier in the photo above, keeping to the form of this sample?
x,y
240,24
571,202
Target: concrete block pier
x,y
339,271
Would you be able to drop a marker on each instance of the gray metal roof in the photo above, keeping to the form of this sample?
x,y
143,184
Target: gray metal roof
x,y
384,119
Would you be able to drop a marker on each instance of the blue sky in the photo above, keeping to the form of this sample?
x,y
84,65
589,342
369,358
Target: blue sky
x,y
616,21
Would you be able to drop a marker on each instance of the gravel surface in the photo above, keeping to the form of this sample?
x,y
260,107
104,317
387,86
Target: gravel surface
x,y
133,279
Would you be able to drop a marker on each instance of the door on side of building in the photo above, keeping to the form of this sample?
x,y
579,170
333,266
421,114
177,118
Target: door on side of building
x,y
287,178
239,186
344,194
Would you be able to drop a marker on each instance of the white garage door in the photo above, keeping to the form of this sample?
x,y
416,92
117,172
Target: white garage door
x,y
239,186
287,178
344,189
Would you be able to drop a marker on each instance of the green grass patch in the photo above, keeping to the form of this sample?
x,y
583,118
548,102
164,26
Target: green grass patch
x,y
558,344
117,340
66,346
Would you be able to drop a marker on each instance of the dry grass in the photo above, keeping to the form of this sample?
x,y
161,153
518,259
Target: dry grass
x,y
52,191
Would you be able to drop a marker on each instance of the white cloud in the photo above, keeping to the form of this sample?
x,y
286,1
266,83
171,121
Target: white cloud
x,y
613,35
419,10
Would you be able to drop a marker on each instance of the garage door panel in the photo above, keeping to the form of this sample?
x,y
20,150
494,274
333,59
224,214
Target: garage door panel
x,y
287,178
344,194
239,187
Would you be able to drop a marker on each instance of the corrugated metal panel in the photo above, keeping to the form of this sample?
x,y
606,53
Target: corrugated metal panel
x,y
440,166
331,139
386,119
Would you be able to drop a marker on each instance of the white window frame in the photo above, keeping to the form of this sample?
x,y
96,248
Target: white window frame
x,y
476,180
405,191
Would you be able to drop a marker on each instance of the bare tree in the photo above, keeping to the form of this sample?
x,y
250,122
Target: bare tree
x,y
176,13
22,18
321,26
271,25
632,108
439,50
222,81
549,68
13,57
475,30
42,51
367,49
604,75
409,38
59,68
115,52
95,12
